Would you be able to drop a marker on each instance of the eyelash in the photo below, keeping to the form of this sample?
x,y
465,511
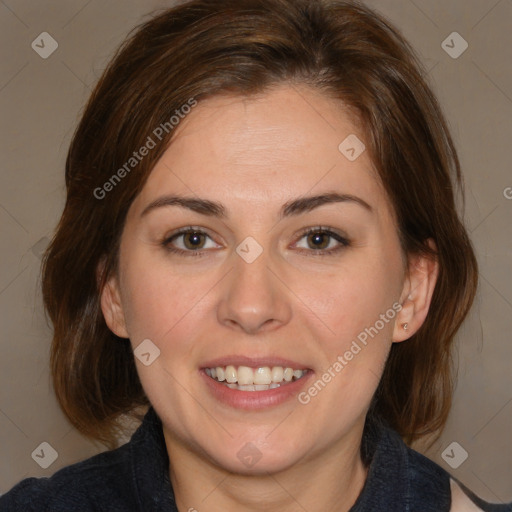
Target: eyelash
x,y
343,242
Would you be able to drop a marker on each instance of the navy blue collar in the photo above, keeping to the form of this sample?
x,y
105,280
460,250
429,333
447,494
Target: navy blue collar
x,y
150,466
399,478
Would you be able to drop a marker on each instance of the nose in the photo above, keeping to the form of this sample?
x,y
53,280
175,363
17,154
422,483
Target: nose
x,y
253,299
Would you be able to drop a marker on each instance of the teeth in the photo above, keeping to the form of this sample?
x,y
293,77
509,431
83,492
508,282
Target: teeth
x,y
245,378
252,387
277,374
288,374
230,374
262,375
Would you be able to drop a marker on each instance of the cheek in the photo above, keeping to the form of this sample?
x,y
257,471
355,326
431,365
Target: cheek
x,y
157,302
353,300
357,308
167,310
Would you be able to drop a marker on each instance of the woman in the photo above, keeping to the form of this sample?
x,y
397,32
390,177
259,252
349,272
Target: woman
x,y
260,248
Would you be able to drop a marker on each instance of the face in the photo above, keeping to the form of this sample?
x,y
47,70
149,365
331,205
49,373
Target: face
x,y
259,255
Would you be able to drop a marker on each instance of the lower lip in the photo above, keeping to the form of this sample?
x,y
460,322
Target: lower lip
x,y
253,400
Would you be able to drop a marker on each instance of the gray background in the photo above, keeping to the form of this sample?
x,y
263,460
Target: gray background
x,y
40,101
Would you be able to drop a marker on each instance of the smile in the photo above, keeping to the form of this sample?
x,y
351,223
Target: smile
x,y
245,378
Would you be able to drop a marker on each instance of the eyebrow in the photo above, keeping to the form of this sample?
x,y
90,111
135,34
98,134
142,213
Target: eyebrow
x,y
290,208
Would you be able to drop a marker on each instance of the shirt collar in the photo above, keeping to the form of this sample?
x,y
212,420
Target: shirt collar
x,y
150,466
387,482
386,486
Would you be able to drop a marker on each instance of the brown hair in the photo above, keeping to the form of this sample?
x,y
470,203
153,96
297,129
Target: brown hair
x,y
207,47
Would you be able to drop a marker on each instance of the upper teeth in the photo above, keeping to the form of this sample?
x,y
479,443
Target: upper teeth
x,y
244,375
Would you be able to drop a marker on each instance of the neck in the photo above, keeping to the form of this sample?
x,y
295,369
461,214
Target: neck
x,y
328,481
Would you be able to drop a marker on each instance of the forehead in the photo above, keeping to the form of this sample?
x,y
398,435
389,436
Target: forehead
x,y
260,149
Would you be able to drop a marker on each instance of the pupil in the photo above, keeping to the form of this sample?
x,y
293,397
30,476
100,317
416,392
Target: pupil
x,y
319,240
193,240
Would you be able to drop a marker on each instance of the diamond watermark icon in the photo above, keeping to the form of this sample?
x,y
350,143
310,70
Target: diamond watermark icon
x,y
45,455
39,247
249,249
146,352
44,45
352,147
454,45
454,455
249,455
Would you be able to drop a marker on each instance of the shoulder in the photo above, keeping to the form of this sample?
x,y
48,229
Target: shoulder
x,y
412,479
84,486
460,501
463,500
426,478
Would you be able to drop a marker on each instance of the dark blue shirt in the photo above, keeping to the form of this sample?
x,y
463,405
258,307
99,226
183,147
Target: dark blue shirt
x,y
135,477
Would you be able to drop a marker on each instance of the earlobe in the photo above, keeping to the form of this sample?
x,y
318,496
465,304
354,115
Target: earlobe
x,y
417,293
112,308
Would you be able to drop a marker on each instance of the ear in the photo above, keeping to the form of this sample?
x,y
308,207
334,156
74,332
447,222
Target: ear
x,y
111,305
416,294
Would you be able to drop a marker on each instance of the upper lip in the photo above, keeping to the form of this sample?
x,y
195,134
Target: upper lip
x,y
254,362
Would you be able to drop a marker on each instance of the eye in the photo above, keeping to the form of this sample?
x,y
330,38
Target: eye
x,y
322,241
189,240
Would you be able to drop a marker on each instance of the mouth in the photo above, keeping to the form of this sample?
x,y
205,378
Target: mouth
x,y
262,378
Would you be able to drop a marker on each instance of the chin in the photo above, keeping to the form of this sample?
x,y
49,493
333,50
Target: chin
x,y
249,461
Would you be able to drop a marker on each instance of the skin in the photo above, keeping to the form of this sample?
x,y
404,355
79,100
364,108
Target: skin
x,y
254,154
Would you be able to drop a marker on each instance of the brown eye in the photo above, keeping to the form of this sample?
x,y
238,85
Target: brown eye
x,y
189,242
193,240
318,240
322,241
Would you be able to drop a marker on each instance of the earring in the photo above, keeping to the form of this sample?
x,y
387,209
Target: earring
x,y
405,326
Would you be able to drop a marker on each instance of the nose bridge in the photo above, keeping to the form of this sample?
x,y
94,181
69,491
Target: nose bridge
x,y
252,297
